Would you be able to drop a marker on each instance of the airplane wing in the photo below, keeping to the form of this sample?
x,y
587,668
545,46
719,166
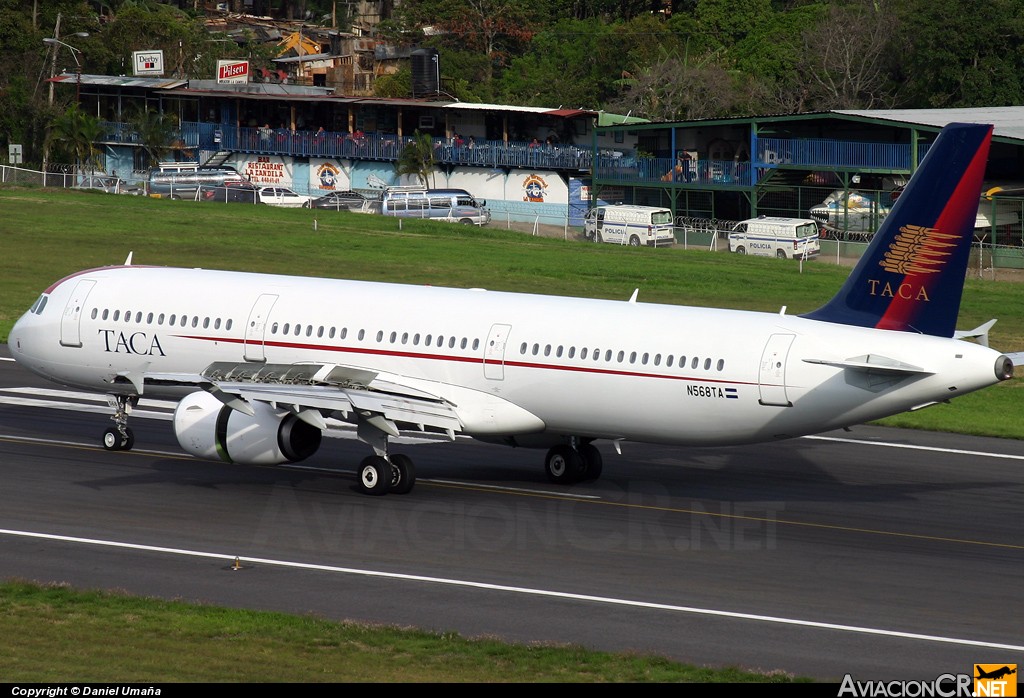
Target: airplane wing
x,y
312,390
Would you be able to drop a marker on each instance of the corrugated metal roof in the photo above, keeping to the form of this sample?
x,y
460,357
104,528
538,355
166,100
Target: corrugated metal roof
x,y
1008,122
122,81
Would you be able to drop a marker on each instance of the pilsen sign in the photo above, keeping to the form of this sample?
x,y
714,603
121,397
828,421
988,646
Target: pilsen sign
x,y
232,71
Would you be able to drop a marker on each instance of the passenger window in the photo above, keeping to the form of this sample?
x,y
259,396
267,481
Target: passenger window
x,y
117,315
228,326
668,361
106,313
621,356
380,336
462,345
405,337
394,337
95,312
721,364
216,324
632,357
160,319
416,339
522,348
572,352
695,362
206,323
195,321
287,326
309,330
362,333
707,364
583,353
476,344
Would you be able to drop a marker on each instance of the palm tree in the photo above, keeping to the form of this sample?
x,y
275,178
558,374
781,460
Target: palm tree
x,y
156,132
75,134
417,158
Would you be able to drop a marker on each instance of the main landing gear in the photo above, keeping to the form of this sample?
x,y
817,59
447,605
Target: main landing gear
x,y
120,437
383,472
573,462
379,474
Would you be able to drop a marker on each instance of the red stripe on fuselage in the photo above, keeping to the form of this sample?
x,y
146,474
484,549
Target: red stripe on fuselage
x,y
464,359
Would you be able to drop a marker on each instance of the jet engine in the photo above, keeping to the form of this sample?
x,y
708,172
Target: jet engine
x,y
209,429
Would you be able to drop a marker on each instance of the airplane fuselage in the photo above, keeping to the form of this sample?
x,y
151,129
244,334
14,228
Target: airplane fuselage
x,y
561,366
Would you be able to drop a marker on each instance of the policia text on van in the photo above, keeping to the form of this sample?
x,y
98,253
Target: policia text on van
x,y
785,238
630,225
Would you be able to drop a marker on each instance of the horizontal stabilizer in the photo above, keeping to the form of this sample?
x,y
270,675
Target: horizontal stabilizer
x,y
873,363
980,333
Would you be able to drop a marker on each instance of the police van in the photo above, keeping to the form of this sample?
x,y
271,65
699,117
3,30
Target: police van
x,y
630,225
785,238
455,205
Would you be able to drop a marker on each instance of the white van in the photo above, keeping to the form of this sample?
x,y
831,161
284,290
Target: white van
x,y
785,238
440,204
630,225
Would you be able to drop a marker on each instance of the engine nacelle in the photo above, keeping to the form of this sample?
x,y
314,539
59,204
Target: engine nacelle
x,y
208,428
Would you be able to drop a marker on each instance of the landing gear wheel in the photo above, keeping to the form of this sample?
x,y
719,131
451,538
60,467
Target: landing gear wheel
x,y
634,241
563,465
593,463
374,475
403,474
114,441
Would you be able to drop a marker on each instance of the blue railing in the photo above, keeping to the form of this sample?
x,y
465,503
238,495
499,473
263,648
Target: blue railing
x,y
811,153
647,169
363,146
610,165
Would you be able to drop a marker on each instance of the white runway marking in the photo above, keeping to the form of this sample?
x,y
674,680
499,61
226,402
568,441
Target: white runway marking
x,y
519,590
914,447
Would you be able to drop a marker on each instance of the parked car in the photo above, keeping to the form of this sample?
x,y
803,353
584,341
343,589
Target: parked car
x,y
339,201
110,185
283,196
236,192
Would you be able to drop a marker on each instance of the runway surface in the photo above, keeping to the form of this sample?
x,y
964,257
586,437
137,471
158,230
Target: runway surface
x,y
883,554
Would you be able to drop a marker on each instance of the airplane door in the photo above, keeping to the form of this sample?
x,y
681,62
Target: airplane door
x,y
257,327
772,374
71,322
494,352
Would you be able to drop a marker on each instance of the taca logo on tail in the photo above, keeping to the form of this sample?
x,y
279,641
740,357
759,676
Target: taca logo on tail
x,y
911,277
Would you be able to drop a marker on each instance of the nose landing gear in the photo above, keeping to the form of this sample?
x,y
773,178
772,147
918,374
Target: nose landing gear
x,y
120,437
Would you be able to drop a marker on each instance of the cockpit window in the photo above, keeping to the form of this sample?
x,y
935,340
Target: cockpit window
x,y
38,306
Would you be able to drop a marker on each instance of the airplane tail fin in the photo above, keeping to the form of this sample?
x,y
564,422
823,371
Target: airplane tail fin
x,y
911,277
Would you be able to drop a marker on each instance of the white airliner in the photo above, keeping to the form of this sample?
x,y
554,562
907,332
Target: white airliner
x,y
262,362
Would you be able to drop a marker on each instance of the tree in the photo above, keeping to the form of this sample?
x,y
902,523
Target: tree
x,y
962,53
156,132
73,135
417,158
847,56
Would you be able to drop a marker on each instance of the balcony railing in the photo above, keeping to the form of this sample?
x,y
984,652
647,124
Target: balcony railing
x,y
364,146
611,165
828,154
